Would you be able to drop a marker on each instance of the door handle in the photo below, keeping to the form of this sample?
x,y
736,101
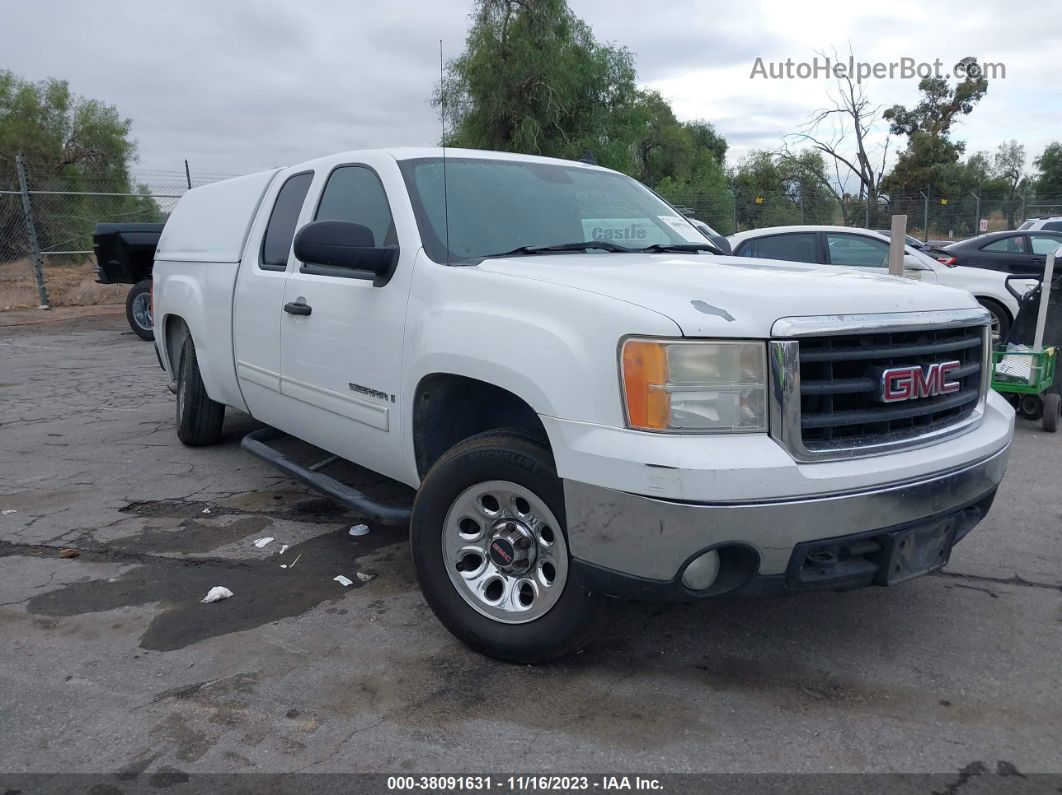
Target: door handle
x,y
295,308
1037,261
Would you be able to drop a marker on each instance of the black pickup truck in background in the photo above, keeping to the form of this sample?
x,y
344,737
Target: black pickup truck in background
x,y
125,254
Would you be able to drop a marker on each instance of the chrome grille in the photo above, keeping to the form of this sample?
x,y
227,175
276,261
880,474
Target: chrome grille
x,y
826,377
838,387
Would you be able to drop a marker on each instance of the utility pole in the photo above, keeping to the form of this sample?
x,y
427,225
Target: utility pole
x,y
187,174
31,231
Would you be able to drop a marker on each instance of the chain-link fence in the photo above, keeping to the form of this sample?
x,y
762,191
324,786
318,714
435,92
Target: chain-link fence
x,y
930,215
54,263
62,206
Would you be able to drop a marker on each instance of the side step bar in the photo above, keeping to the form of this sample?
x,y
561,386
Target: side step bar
x,y
255,443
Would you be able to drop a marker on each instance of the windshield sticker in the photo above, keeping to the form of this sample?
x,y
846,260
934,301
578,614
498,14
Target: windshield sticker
x,y
631,232
683,227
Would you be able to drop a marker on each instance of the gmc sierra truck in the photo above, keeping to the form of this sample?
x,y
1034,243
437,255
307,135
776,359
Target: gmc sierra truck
x,y
588,398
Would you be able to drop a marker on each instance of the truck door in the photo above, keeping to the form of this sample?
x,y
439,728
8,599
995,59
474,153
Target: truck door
x,y
341,336
259,297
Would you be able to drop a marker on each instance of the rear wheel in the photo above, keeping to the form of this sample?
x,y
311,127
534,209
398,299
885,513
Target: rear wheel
x,y
138,309
491,554
1052,407
1031,407
199,418
1000,318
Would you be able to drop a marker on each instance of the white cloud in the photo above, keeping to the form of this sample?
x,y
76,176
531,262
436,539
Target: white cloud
x,y
241,85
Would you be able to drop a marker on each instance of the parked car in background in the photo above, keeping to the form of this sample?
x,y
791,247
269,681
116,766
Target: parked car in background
x,y
1051,224
862,248
926,247
1016,251
124,255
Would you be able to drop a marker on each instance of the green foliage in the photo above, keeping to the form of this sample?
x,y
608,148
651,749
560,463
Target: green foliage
x,y
70,143
1048,181
931,159
533,79
780,190
940,106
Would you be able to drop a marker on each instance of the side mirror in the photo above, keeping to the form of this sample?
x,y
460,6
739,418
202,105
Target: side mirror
x,y
343,244
722,243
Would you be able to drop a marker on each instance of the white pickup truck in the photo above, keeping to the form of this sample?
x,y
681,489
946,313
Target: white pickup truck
x,y
588,398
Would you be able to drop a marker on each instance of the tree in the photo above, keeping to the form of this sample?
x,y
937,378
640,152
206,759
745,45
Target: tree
x,y
931,162
72,143
1049,181
534,79
941,104
1008,167
931,156
844,132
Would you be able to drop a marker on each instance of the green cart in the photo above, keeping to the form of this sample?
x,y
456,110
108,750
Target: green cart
x,y
1024,377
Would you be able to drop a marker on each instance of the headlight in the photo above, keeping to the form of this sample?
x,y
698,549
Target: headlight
x,y
693,386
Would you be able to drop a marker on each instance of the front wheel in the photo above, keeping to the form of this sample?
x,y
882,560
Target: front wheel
x,y
491,554
138,310
1000,319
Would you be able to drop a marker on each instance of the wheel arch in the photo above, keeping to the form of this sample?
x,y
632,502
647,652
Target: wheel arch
x,y
449,408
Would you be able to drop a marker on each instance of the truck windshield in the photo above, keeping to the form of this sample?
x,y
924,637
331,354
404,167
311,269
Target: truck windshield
x,y
493,207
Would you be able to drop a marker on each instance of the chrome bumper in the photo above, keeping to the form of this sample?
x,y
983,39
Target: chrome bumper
x,y
653,539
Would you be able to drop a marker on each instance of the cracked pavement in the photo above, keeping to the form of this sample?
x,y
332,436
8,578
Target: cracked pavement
x,y
109,663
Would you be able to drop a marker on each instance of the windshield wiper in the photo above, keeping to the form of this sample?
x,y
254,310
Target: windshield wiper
x,y
661,247
601,245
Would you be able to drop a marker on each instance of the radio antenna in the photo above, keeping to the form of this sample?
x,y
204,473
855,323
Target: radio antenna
x,y
442,121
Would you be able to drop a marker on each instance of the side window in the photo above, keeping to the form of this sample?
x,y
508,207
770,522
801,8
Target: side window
x,y
1045,244
1008,245
796,247
354,193
854,251
281,228
1053,226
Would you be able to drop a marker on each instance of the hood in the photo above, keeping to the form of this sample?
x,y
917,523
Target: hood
x,y
731,296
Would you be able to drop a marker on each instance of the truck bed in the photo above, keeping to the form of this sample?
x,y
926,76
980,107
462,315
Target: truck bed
x,y
125,253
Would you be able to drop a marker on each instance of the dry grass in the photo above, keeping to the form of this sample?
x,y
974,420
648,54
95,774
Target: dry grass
x,y
67,285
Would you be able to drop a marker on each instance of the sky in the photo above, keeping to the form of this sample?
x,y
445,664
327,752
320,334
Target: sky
x,y
237,86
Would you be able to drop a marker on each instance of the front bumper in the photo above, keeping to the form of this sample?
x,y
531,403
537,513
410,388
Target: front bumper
x,y
629,544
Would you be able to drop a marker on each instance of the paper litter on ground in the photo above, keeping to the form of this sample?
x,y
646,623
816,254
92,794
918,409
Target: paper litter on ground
x,y
344,581
261,542
10,510
365,577
292,564
283,549
216,594
359,530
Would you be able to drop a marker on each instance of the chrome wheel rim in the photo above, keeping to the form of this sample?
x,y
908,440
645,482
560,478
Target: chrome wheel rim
x,y
142,311
504,552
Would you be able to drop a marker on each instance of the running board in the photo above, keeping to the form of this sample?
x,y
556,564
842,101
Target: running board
x,y
255,443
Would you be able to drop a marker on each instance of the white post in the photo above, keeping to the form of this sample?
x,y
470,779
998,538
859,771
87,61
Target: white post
x,y
1045,299
897,245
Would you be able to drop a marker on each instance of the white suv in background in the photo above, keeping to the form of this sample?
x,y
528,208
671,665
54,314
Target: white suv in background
x,y
860,248
1052,224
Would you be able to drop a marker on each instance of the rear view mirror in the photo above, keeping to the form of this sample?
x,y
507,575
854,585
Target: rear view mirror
x,y
342,244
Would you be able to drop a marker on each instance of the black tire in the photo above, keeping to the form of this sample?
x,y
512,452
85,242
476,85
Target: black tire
x,y
199,418
1000,318
138,310
522,458
1031,407
1052,407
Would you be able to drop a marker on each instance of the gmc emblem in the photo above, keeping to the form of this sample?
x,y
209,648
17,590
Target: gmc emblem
x,y
911,383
